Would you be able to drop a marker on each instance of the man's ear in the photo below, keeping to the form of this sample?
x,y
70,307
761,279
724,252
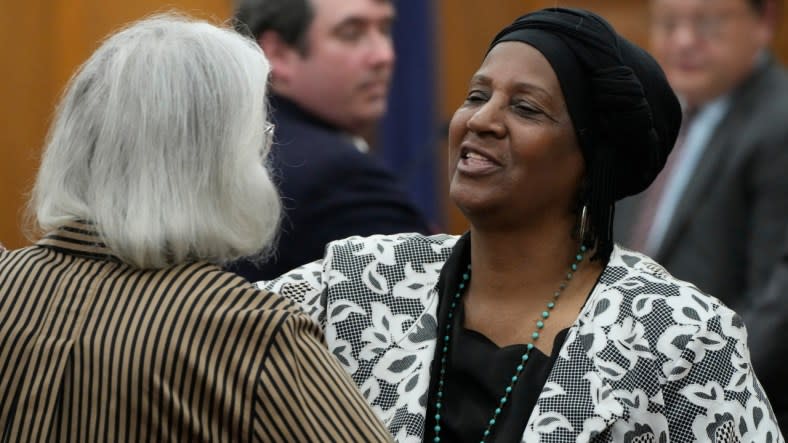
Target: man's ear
x,y
770,17
280,54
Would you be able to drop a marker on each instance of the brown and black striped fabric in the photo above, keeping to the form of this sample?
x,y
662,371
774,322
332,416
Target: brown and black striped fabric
x,y
94,350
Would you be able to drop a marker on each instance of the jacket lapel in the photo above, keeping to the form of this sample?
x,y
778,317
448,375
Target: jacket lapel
x,y
700,183
582,424
577,377
422,337
721,146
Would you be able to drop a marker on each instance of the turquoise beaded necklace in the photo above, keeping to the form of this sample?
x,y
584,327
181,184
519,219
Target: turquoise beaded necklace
x,y
466,277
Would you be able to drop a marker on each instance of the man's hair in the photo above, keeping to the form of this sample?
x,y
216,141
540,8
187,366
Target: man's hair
x,y
288,18
758,5
157,140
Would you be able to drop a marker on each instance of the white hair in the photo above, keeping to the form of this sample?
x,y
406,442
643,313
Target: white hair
x,y
159,140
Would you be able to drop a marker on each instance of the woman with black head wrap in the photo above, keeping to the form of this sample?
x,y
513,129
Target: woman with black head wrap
x,y
534,325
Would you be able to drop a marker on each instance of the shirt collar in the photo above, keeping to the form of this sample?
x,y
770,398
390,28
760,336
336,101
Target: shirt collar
x,y
78,238
285,105
280,103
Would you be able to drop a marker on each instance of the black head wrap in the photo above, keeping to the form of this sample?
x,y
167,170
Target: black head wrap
x,y
624,112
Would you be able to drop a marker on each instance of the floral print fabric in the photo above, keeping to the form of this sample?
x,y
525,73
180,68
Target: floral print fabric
x,y
649,358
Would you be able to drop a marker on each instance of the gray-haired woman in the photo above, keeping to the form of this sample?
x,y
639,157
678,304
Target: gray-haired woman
x,y
119,324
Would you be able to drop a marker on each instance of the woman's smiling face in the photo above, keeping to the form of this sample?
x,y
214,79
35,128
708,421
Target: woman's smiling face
x,y
513,153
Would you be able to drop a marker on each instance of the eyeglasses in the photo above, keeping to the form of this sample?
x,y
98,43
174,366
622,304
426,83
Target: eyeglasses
x,y
706,26
269,129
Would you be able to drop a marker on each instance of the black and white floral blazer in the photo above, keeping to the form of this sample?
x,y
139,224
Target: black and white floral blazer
x,y
649,358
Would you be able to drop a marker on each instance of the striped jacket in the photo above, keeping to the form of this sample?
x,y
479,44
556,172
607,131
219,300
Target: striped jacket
x,y
93,350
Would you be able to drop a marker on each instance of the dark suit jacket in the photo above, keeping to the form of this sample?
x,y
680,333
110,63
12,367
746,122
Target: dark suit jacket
x,y
726,233
767,323
330,190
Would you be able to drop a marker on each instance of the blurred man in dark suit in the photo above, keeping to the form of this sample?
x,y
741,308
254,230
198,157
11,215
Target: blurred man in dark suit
x,y
332,62
716,214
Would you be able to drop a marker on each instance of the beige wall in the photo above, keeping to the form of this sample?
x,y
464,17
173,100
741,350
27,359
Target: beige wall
x,y
41,44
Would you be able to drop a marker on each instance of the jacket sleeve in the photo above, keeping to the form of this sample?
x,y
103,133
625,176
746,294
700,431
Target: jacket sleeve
x,y
305,285
711,392
304,395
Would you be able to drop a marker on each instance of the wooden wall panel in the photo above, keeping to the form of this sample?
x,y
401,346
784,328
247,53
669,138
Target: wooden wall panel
x,y
467,26
42,42
26,92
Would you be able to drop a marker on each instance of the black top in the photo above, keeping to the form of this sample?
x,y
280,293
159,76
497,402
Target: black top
x,y
477,375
